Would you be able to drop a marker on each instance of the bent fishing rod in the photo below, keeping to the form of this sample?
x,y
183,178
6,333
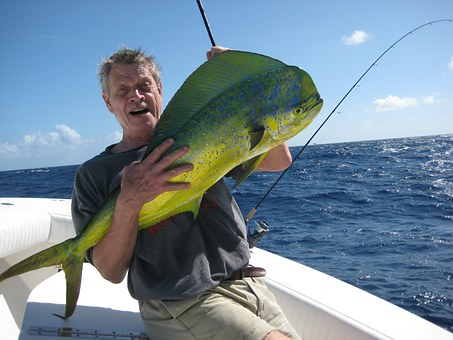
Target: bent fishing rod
x,y
253,211
206,23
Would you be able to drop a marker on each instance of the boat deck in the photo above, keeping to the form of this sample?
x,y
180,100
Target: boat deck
x,y
319,306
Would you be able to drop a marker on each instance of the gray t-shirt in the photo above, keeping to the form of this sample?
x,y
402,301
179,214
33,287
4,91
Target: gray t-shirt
x,y
177,258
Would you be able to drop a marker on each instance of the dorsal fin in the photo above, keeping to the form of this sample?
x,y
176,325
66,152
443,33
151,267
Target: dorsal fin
x,y
206,83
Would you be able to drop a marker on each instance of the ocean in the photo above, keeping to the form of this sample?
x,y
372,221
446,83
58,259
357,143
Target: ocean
x,y
375,214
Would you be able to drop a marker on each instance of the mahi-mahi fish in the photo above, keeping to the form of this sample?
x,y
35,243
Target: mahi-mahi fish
x,y
230,111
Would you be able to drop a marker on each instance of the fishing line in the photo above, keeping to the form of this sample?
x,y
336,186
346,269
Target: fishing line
x,y
253,211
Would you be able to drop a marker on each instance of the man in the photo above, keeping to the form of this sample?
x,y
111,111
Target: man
x,y
183,272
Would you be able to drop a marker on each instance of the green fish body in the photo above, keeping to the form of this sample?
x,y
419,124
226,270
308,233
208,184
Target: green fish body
x,y
230,111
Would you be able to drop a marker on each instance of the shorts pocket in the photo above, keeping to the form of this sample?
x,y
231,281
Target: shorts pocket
x,y
171,308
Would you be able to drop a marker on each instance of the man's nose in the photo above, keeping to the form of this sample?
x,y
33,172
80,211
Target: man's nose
x,y
136,96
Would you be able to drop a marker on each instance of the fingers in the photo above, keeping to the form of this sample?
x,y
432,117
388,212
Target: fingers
x,y
160,150
153,176
154,159
216,50
171,173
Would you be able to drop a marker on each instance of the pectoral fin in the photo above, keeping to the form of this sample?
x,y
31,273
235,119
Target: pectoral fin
x,y
248,167
256,136
194,206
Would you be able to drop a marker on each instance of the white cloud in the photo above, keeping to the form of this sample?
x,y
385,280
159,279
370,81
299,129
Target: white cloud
x,y
67,135
395,103
428,100
42,147
450,64
356,38
62,146
64,136
8,149
40,139
115,137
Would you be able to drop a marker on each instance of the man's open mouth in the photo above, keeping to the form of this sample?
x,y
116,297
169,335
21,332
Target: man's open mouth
x,y
139,112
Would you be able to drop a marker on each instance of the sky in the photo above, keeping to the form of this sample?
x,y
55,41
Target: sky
x,y
52,112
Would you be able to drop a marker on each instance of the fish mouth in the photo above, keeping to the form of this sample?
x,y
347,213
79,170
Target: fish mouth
x,y
139,112
316,100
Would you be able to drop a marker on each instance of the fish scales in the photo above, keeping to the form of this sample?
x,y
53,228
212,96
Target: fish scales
x,y
230,137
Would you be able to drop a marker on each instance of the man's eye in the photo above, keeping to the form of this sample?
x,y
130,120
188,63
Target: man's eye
x,y
147,86
121,92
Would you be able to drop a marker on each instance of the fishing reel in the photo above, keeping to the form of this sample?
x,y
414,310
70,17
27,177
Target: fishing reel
x,y
262,228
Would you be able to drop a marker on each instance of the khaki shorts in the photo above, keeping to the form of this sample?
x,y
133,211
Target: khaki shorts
x,y
240,309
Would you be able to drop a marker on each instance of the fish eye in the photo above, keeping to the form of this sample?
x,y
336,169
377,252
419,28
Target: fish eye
x,y
298,110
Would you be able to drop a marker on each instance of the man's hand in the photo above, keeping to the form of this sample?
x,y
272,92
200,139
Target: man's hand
x,y
141,183
144,181
216,50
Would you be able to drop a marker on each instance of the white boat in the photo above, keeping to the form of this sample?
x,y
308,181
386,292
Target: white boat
x,y
319,306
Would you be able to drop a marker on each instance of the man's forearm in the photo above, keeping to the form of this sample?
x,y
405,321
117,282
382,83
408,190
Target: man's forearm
x,y
113,254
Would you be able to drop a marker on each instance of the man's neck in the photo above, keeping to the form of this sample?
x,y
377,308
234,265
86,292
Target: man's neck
x,y
126,145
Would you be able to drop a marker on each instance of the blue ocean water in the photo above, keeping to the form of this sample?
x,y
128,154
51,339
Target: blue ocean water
x,y
376,214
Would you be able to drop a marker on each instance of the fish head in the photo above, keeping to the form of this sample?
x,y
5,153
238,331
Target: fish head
x,y
296,106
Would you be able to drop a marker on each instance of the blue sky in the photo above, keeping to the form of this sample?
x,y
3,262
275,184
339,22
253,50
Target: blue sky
x,y
52,113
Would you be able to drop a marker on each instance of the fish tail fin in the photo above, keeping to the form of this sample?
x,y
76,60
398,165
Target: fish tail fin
x,y
52,256
73,273
64,254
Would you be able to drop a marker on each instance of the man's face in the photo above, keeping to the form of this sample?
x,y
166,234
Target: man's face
x,y
135,99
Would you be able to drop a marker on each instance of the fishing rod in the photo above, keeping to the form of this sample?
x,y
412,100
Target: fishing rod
x,y
253,211
206,23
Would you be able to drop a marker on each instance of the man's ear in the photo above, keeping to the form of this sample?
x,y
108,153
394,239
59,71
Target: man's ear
x,y
105,96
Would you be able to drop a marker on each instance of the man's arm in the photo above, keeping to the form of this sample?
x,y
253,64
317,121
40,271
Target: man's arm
x,y
277,159
141,183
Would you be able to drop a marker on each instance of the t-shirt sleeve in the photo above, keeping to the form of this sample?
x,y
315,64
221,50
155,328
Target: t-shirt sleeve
x,y
94,181
86,200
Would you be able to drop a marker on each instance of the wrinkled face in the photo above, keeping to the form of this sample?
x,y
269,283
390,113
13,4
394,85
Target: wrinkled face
x,y
135,99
